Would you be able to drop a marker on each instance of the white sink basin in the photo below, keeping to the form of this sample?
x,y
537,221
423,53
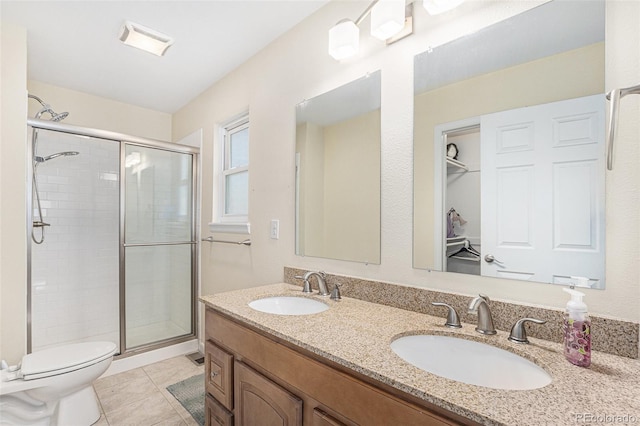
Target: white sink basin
x,y
288,305
470,362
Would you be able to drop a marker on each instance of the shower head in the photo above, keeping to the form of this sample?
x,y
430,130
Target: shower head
x,y
58,117
54,115
47,108
56,155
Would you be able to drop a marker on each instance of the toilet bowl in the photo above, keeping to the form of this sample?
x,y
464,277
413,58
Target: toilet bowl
x,y
55,386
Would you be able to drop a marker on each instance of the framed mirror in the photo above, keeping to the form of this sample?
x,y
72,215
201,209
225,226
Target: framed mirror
x,y
338,173
509,148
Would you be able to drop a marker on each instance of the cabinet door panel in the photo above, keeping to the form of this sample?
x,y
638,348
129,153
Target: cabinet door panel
x,y
261,402
219,374
216,415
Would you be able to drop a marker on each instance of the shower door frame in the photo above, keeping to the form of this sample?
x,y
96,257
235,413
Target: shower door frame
x,y
123,140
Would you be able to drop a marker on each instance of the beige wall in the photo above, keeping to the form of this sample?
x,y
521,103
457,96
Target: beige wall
x,y
101,113
340,188
352,189
310,146
13,209
297,67
551,79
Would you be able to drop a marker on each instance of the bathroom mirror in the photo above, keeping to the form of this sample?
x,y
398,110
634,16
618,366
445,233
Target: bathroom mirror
x,y
509,148
338,173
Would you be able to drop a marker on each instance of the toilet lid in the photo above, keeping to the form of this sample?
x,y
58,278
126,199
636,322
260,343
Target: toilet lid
x,y
65,358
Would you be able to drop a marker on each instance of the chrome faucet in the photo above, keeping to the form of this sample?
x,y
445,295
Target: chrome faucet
x,y
480,306
322,284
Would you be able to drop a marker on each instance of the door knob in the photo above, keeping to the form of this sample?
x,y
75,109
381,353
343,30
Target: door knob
x,y
489,259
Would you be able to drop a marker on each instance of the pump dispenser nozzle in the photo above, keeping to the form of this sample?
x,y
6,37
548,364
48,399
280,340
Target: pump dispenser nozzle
x,y
576,304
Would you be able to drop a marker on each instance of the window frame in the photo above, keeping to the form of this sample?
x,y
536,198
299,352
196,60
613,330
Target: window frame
x,y
224,222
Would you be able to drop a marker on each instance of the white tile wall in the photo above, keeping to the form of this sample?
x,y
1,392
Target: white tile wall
x,y
75,272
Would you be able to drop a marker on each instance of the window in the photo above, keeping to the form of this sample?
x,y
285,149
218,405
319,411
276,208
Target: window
x,y
233,177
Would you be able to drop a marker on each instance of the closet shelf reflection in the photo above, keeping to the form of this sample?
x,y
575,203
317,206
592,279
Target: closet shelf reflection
x,y
458,164
470,259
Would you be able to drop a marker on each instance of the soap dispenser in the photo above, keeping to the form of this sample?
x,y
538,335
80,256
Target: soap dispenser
x,y
577,330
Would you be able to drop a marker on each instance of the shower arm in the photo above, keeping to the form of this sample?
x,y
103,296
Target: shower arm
x,y
614,96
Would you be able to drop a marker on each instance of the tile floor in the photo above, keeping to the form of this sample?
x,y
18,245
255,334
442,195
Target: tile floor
x,y
139,397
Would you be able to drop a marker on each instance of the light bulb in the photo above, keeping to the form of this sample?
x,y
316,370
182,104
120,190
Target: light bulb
x,y
387,18
344,40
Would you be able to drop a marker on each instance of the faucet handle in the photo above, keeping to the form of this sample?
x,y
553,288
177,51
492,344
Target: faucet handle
x,y
453,321
518,332
306,288
335,293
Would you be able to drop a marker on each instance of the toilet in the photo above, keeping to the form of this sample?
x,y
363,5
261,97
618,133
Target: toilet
x,y
55,386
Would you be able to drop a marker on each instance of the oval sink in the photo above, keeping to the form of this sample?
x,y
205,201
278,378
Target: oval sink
x,y
470,362
288,305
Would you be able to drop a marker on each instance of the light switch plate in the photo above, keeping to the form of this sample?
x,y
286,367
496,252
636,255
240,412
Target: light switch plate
x,y
275,229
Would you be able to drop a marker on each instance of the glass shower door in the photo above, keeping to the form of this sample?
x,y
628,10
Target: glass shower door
x,y
159,245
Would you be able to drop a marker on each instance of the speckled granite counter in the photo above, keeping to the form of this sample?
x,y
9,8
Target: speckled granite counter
x,y
357,334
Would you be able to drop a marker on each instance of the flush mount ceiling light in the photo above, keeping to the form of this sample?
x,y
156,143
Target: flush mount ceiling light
x,y
435,7
388,19
144,38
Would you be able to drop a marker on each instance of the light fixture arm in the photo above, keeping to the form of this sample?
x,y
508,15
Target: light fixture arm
x,y
366,12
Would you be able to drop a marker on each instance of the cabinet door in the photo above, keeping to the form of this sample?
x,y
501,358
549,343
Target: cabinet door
x,y
219,374
216,415
261,402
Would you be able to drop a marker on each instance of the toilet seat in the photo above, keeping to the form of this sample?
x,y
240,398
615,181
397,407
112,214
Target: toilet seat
x,y
63,359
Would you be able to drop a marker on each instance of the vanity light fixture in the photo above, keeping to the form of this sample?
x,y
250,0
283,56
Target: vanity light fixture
x,y
388,19
144,38
435,7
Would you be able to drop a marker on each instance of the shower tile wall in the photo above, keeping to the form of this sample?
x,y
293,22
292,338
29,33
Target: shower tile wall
x,y
75,271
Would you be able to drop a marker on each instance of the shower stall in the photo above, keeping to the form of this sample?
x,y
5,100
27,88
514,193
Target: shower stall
x,y
112,239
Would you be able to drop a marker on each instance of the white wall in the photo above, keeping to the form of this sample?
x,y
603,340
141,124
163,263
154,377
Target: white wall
x,y
297,67
13,179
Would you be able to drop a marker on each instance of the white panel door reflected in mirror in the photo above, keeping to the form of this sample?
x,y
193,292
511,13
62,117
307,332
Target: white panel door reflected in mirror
x,y
524,196
338,173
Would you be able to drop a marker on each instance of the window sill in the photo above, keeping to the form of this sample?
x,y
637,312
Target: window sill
x,y
230,228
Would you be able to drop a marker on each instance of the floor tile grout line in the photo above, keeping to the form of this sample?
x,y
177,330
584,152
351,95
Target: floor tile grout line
x,y
163,395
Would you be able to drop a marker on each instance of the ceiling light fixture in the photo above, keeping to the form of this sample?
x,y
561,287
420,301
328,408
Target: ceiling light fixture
x,y
388,19
435,7
144,38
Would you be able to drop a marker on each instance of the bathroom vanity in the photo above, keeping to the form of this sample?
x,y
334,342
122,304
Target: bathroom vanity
x,y
337,368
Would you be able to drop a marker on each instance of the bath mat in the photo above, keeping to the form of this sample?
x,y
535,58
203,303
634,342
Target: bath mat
x,y
190,393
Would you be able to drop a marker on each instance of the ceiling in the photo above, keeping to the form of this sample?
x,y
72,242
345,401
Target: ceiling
x,y
75,45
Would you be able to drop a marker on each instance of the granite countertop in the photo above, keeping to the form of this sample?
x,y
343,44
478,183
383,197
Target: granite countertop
x,y
356,334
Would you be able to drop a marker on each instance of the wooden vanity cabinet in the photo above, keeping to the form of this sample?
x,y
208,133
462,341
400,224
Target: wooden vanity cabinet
x,y
276,383
216,414
259,401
